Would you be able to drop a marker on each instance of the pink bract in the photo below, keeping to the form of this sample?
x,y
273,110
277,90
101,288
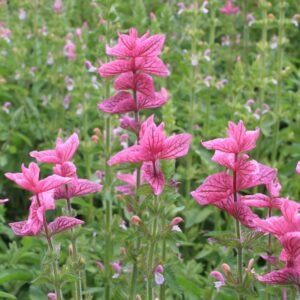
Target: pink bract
x,y
154,146
289,222
77,187
29,179
133,46
63,152
229,9
39,205
238,140
123,102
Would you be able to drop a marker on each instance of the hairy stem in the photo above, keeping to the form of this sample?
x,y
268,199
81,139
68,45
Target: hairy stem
x,y
238,234
78,281
57,284
193,70
150,292
279,78
133,284
269,296
164,249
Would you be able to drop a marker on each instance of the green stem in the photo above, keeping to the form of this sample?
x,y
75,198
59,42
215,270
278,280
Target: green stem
x,y
269,296
238,234
57,285
133,284
262,85
78,283
150,292
279,79
212,34
164,249
192,98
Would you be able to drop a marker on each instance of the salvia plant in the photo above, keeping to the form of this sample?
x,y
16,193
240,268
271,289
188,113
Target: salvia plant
x,y
130,202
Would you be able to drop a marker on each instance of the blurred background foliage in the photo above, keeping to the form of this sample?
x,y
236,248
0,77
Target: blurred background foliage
x,y
217,64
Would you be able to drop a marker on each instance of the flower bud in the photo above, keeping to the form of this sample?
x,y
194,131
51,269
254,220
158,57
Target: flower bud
x,y
176,221
159,269
100,265
136,220
250,265
226,268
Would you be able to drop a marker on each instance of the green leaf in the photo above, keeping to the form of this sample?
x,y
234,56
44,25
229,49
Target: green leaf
x,y
7,296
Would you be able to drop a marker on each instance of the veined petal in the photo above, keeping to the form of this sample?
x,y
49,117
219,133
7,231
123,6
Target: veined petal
x,y
158,99
120,103
51,182
132,154
152,65
216,187
154,176
227,145
283,276
176,146
151,46
115,67
66,150
63,223
46,156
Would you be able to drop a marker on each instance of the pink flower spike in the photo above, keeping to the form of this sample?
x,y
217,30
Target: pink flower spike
x,y
229,9
3,201
63,223
133,46
63,151
238,140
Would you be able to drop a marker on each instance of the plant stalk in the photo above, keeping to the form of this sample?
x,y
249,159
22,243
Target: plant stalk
x,y
133,284
57,284
238,234
279,79
150,292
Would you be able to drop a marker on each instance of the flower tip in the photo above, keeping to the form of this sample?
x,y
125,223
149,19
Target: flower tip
x,y
176,221
3,201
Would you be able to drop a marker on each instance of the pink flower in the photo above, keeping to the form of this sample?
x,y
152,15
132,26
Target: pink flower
x,y
141,54
70,50
154,146
238,210
29,179
123,102
57,6
290,274
63,152
238,140
158,276
219,186
52,296
220,279
229,9
39,205
3,201
77,187
129,124
298,167
288,222
130,180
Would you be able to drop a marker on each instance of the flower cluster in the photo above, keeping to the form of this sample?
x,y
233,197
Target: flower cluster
x,y
62,184
222,189
137,57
